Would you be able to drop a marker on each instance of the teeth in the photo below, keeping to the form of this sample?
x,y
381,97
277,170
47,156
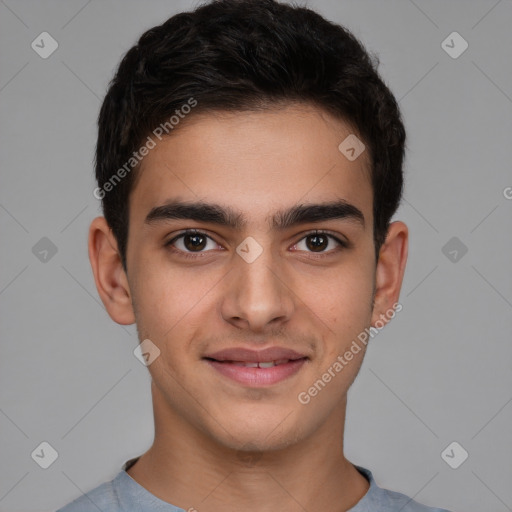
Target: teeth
x,y
265,364
248,365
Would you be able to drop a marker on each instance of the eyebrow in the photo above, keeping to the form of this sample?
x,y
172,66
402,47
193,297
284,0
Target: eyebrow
x,y
225,216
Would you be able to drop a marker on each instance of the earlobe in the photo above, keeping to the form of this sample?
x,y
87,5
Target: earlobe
x,y
390,271
109,274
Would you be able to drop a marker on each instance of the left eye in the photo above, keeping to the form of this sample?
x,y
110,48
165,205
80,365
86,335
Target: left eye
x,y
318,242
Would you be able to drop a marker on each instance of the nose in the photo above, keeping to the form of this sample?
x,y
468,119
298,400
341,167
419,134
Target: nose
x,y
258,295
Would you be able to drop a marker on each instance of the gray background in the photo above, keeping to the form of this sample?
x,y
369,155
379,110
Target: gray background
x,y
440,372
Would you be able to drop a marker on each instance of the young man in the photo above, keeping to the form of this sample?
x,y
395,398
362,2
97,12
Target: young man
x,y
249,161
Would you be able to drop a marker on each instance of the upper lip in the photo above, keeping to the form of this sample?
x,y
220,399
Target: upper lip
x,y
255,356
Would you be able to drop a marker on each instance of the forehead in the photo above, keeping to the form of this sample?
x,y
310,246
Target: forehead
x,y
254,161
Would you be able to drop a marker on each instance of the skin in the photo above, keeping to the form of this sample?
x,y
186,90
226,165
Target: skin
x,y
220,445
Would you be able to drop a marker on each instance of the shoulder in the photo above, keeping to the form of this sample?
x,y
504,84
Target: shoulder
x,y
397,501
121,494
102,497
384,500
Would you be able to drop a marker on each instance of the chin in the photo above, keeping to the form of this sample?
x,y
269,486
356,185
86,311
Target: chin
x,y
276,433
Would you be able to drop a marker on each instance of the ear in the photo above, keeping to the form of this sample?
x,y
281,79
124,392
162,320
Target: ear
x,y
390,271
109,275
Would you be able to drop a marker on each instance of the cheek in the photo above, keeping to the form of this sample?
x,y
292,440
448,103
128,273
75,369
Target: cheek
x,y
342,298
344,307
171,301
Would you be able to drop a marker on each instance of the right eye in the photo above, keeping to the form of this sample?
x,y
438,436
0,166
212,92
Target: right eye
x,y
191,241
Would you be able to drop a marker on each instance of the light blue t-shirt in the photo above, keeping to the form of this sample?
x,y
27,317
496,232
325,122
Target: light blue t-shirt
x,y
124,494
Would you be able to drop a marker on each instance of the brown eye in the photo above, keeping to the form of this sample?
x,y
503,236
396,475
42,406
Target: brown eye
x,y
317,243
194,242
191,242
320,242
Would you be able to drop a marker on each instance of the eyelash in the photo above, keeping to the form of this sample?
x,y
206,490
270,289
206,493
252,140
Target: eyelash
x,y
342,243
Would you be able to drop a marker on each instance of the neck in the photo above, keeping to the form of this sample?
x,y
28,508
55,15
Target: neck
x,y
188,469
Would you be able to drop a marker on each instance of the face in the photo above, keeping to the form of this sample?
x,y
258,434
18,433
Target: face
x,y
255,270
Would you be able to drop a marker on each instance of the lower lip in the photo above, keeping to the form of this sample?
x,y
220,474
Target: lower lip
x,y
257,377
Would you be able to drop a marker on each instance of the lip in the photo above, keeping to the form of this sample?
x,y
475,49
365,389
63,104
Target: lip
x,y
257,377
247,355
225,362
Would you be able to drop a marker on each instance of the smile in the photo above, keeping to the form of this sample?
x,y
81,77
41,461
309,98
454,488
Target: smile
x,y
257,374
267,364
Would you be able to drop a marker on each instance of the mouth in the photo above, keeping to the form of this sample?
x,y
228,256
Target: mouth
x,y
257,373
255,364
